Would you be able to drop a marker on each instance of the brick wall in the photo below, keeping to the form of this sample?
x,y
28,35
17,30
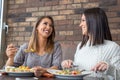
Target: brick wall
x,y
22,15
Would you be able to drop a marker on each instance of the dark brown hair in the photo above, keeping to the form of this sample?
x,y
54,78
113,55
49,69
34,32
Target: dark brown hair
x,y
98,28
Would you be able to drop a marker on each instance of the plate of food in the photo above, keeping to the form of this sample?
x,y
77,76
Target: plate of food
x,y
18,71
68,74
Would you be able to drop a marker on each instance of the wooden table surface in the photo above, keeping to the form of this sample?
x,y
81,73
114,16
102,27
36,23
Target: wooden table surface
x,y
6,77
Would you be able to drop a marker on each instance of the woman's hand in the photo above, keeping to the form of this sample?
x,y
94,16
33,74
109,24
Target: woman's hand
x,y
11,50
46,74
38,71
101,66
67,63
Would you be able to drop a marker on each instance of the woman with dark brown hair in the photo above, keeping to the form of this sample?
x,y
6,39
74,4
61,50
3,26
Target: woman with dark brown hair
x,y
41,53
96,51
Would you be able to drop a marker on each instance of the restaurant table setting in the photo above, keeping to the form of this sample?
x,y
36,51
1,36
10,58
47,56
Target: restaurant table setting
x,y
84,75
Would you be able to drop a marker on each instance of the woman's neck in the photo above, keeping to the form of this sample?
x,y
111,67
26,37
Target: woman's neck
x,y
42,45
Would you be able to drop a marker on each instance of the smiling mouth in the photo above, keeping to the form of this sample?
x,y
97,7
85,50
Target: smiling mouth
x,y
46,31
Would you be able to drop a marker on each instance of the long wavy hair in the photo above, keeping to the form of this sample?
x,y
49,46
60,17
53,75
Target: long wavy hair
x,y
33,42
97,25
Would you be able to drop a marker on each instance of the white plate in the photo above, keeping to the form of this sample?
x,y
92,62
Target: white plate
x,y
18,73
63,76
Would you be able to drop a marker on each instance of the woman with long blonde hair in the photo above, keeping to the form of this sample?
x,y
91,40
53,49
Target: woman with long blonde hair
x,y
41,53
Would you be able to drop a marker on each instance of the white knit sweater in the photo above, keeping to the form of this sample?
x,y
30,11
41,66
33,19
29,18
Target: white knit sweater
x,y
89,56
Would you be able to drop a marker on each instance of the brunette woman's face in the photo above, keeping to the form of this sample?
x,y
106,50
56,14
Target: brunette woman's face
x,y
83,25
45,29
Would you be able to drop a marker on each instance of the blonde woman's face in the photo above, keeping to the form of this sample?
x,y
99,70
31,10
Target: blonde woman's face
x,y
45,29
83,25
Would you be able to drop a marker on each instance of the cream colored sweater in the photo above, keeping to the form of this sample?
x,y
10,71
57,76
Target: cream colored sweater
x,y
89,56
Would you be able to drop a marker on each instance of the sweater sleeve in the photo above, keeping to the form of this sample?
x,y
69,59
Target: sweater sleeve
x,y
20,56
114,62
57,55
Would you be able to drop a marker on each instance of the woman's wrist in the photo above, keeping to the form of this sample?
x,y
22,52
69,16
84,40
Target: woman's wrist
x,y
9,62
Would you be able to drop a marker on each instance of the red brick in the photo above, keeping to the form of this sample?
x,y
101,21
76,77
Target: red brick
x,y
13,6
77,32
115,31
108,2
9,20
79,1
20,1
19,29
114,8
27,38
61,17
52,13
114,26
65,2
115,19
51,3
77,22
24,24
118,1
31,9
19,38
57,28
76,42
67,43
26,34
58,7
60,38
118,37
33,24
65,32
66,11
111,14
38,13
74,38
74,16
10,29
69,27
64,22
76,27
13,34
45,8
90,5
13,24
114,37
17,11
74,6
94,0
11,2
31,19
33,1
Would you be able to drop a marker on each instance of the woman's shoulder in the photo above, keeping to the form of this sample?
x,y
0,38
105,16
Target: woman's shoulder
x,y
79,44
56,43
111,43
24,46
